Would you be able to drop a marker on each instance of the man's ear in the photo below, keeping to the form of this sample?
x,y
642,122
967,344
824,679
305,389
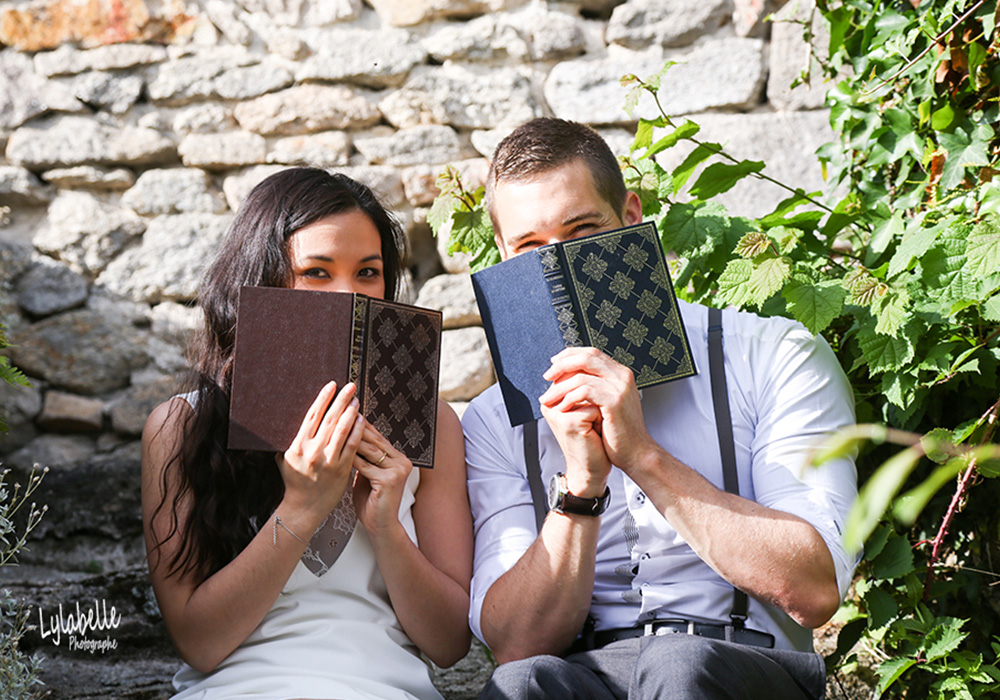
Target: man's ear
x,y
632,209
500,246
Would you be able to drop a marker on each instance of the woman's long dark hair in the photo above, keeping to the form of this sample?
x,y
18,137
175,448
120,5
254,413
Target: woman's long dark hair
x,y
230,490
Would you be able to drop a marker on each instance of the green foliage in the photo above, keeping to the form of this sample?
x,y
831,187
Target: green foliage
x,y
18,672
901,275
8,373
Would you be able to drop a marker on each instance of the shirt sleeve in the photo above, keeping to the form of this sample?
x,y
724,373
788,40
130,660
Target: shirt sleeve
x,y
802,397
500,497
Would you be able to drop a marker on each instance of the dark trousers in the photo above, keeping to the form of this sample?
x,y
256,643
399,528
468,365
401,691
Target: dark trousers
x,y
670,667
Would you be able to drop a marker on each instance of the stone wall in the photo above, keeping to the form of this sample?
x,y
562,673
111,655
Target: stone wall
x,y
130,130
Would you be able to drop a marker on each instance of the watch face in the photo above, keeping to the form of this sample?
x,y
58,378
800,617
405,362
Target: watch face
x,y
554,491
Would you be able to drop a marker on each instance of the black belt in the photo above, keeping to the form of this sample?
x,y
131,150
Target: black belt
x,y
596,640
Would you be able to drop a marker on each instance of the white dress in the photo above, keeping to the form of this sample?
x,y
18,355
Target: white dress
x,y
330,634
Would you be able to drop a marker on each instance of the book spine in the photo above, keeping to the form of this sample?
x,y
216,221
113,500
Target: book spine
x,y
564,302
358,341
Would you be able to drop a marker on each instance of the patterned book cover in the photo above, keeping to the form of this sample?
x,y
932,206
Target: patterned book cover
x,y
610,290
290,343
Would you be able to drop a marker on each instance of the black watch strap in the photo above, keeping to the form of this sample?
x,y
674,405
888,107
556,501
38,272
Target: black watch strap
x,y
560,500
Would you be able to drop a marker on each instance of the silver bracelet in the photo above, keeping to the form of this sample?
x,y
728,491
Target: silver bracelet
x,y
274,531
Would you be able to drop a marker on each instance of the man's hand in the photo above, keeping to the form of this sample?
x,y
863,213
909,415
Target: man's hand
x,y
587,377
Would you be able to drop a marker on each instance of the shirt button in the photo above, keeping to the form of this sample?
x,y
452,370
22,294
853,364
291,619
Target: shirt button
x,y
645,555
640,498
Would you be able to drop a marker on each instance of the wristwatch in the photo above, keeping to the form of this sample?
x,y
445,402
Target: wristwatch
x,y
562,501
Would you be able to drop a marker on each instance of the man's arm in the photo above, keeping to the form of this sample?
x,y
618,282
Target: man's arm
x,y
774,556
539,604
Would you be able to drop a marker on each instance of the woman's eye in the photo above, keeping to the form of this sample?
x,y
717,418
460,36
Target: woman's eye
x,y
316,272
369,272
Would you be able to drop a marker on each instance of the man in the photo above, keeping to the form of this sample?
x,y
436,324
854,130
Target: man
x,y
637,602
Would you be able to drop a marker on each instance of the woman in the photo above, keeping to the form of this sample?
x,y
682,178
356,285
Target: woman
x,y
274,573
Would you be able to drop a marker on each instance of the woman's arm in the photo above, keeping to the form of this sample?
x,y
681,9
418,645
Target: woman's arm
x,y
429,585
209,619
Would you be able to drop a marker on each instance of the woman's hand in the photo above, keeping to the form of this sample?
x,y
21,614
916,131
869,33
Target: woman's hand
x,y
382,474
317,465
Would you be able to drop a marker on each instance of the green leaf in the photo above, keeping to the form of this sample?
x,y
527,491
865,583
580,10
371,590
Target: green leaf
x,y
991,308
439,215
943,118
885,232
815,305
693,230
684,131
965,150
875,496
943,638
895,560
916,241
881,607
734,282
983,251
884,353
768,277
472,233
891,311
912,503
682,173
721,177
890,671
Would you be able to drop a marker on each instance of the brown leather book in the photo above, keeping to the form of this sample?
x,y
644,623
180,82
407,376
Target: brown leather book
x,y
290,343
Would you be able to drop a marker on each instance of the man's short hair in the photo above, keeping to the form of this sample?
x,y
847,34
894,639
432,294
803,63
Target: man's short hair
x,y
544,144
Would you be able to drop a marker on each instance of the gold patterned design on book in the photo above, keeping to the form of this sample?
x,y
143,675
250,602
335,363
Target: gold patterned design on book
x,y
627,303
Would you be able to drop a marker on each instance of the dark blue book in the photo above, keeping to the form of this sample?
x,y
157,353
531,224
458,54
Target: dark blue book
x,y
609,290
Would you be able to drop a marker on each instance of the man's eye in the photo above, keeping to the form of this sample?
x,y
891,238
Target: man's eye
x,y
369,272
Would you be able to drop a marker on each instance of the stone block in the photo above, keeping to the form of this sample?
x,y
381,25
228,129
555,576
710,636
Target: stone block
x,y
112,92
466,367
486,38
81,351
306,13
169,262
374,58
129,410
51,23
234,149
175,323
324,150
19,406
454,297
237,187
25,95
70,413
719,74
209,118
638,24
463,96
410,146
85,232
20,188
306,109
228,73
403,13
89,177
67,60
62,142
61,452
50,287
173,191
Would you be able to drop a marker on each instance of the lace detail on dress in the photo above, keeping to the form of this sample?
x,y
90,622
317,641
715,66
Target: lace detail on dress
x,y
331,537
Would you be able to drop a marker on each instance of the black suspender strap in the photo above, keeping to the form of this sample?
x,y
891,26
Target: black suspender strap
x,y
724,426
534,468
727,446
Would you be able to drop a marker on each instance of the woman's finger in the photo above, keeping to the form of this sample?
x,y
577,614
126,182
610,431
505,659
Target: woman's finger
x,y
347,397
314,416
